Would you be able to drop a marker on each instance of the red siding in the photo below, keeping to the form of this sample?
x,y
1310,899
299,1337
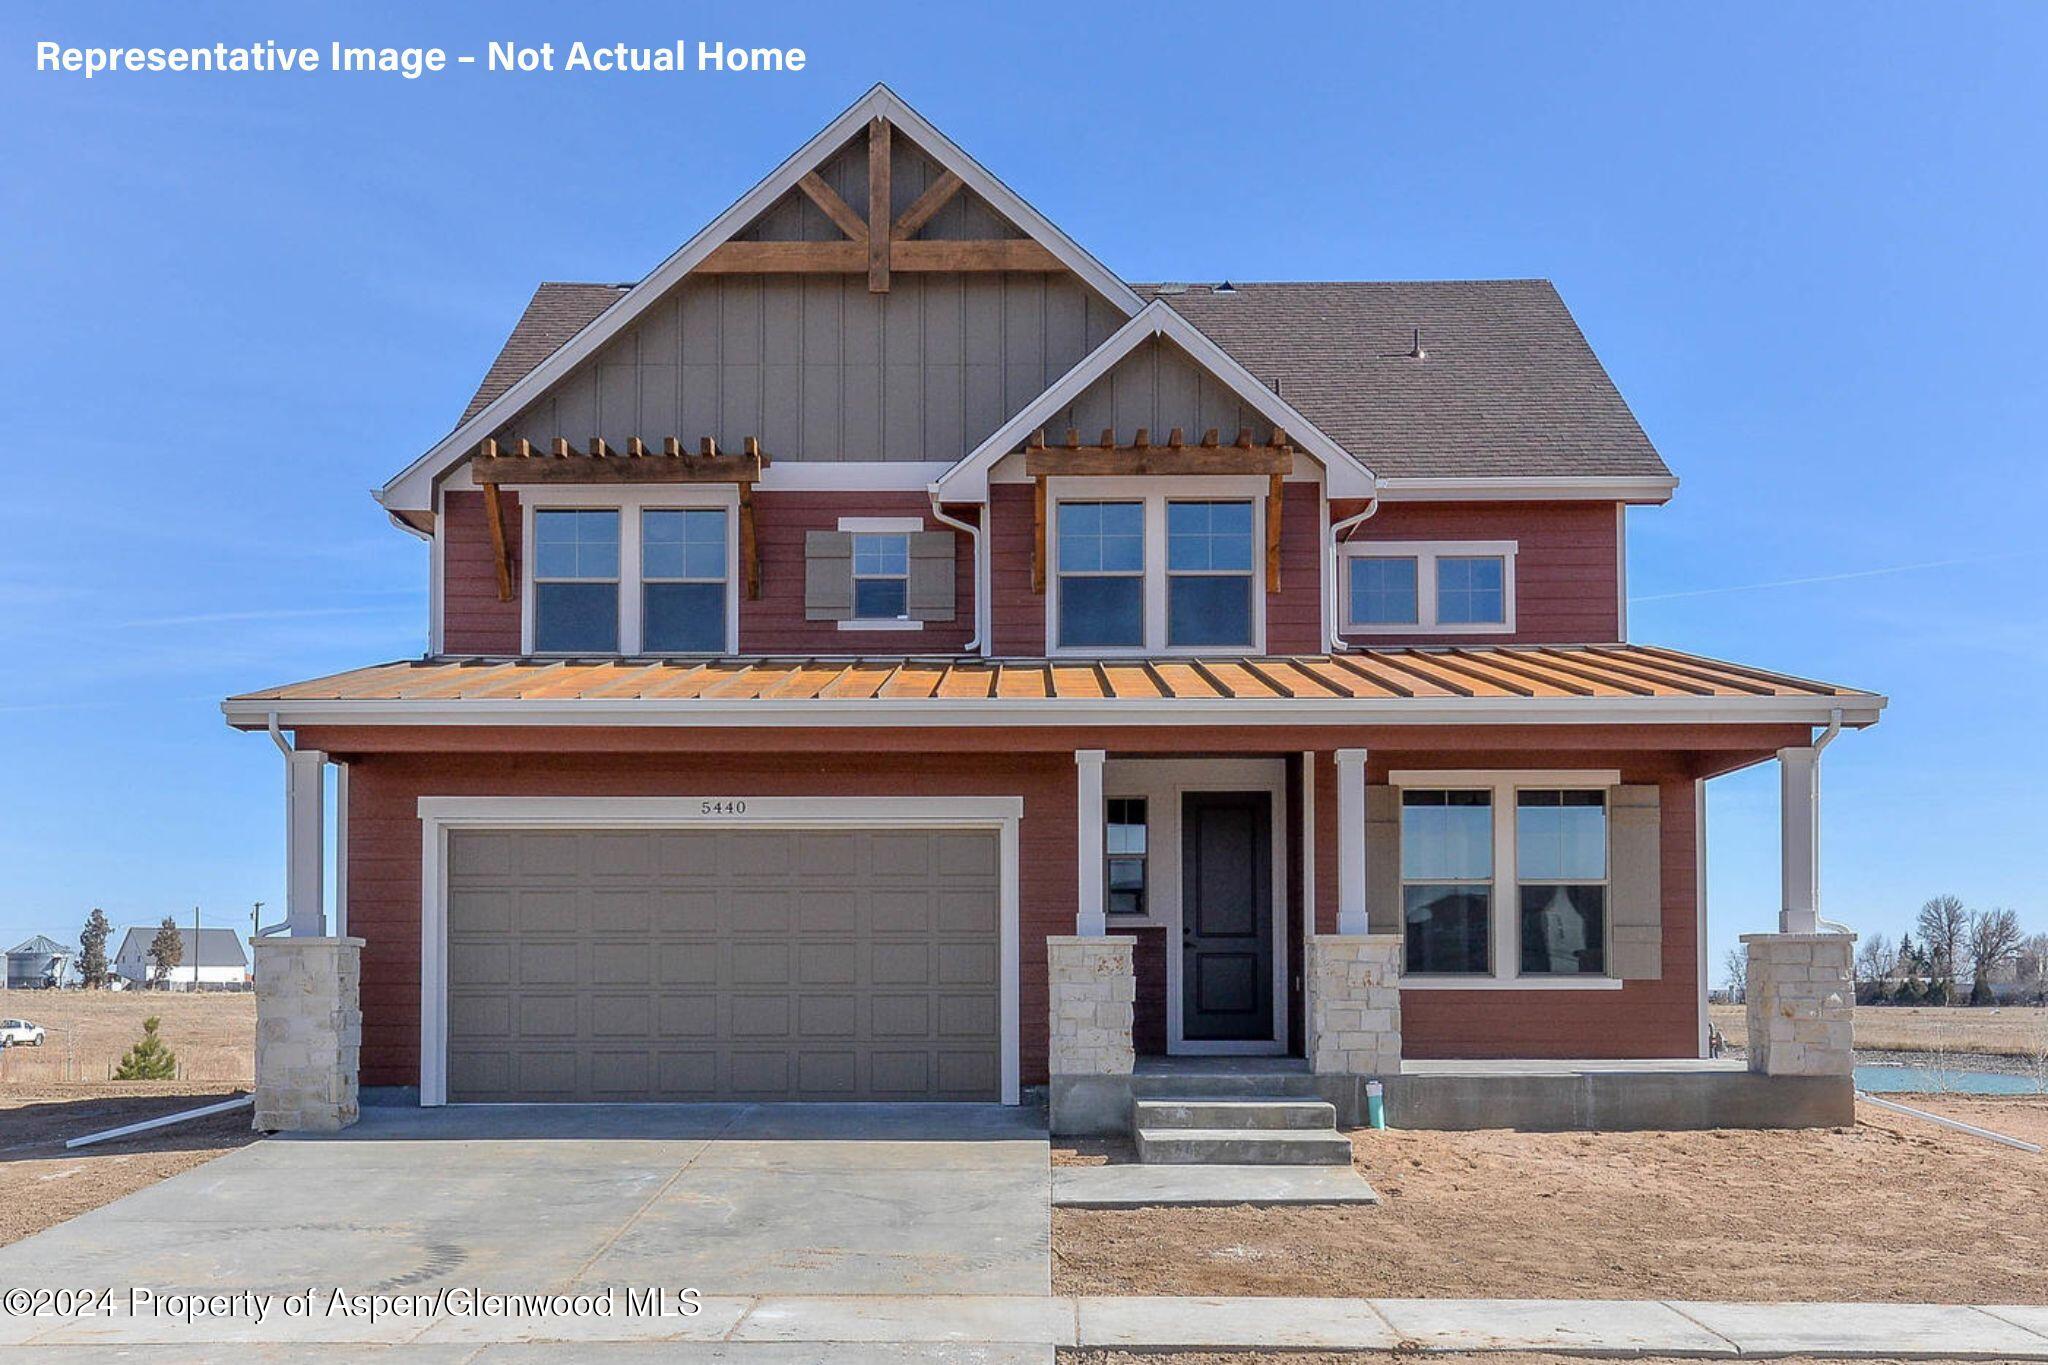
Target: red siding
x,y
1148,970
775,624
1019,625
384,851
1643,1019
1566,564
473,620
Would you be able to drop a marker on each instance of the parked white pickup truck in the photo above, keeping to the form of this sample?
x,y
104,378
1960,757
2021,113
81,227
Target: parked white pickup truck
x,y
20,1033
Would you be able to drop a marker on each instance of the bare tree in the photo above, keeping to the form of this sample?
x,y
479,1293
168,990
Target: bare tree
x,y
1994,940
2033,966
1736,968
1877,961
1943,923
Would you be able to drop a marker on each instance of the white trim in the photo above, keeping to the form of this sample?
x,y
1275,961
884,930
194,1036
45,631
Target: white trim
x,y
1091,904
1426,553
441,814
1621,571
941,712
1163,783
1308,856
340,850
1345,475
305,869
437,569
1651,488
1505,894
882,524
1699,899
1352,915
1799,839
895,623
629,503
1155,495
851,476
410,487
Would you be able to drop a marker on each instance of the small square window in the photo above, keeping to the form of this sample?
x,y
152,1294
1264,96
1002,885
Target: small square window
x,y
1383,590
1471,590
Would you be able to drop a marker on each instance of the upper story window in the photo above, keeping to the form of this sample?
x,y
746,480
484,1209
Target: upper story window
x,y
1124,845
1152,572
653,575
1451,587
881,575
576,581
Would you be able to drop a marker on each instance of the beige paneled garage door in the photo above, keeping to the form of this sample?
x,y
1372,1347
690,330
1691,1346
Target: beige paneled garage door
x,y
712,964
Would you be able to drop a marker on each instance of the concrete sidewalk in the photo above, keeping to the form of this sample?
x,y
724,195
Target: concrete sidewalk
x,y
1015,1329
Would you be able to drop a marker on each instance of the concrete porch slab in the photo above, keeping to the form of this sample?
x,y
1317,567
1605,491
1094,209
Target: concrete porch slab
x,y
1610,1326
1177,1324
1139,1186
1923,1330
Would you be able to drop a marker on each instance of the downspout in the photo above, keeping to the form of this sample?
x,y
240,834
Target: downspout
x,y
982,630
1332,637
284,746
1827,737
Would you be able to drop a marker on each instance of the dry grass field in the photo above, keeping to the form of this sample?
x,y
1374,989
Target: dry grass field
x,y
2010,1031
213,1034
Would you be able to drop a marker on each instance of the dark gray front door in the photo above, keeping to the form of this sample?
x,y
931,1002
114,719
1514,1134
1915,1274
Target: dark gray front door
x,y
1226,916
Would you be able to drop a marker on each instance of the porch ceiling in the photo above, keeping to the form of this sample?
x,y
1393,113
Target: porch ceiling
x,y
1521,683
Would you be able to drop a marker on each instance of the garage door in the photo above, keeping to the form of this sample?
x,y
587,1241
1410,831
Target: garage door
x,y
603,965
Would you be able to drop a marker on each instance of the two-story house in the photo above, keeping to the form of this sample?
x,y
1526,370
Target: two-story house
x,y
837,634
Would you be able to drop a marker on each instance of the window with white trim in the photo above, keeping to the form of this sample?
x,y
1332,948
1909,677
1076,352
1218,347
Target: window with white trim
x,y
1449,587
881,576
576,581
1447,882
1561,871
1123,846
1135,570
682,580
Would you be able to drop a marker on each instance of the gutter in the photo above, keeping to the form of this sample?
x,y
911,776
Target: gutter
x,y
1827,737
983,629
1332,638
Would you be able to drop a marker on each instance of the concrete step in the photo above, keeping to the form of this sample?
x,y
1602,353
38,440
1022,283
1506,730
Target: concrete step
x,y
1213,1113
1276,1083
1243,1147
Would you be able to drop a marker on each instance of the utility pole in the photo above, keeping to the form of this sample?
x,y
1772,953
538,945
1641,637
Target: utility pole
x,y
195,950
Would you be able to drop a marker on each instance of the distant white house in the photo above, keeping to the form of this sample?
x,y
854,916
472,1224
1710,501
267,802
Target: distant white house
x,y
219,960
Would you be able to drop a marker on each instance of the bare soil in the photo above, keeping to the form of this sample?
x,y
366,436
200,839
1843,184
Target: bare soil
x,y
1892,1209
2002,1030
42,1184
213,1034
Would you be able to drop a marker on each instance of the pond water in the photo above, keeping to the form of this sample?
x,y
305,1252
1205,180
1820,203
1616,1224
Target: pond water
x,y
1888,1080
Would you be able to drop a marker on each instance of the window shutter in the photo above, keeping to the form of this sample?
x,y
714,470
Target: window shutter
x,y
930,592
828,576
1635,884
1383,860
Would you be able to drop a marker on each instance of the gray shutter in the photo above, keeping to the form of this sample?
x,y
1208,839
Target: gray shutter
x,y
1635,884
1383,860
930,592
828,576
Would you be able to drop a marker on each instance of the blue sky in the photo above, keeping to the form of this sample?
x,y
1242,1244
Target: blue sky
x,y
1806,241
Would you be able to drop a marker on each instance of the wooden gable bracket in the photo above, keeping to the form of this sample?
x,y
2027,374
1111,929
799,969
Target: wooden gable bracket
x,y
876,245
494,514
1141,458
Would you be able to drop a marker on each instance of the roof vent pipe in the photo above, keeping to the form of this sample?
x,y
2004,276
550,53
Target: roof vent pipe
x,y
1224,288
1415,351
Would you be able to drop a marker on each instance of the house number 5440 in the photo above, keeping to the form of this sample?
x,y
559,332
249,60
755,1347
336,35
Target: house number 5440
x,y
722,808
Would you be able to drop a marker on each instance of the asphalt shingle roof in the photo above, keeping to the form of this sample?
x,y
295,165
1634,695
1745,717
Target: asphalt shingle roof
x,y
1508,387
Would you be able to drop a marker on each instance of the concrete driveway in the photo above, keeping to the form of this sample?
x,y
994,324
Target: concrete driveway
x,y
726,1199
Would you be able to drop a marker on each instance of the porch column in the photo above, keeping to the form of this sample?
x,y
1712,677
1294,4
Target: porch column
x,y
1090,909
1799,840
304,857
1351,841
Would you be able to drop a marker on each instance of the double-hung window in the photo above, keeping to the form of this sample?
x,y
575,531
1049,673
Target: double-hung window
x,y
576,581
881,576
1102,574
1561,868
1124,846
1414,587
682,580
1447,882
1145,570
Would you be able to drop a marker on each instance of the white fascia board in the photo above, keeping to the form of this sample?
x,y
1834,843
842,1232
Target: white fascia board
x,y
1640,489
412,488
1343,474
974,712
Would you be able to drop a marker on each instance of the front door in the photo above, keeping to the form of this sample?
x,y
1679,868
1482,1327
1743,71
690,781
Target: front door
x,y
1226,916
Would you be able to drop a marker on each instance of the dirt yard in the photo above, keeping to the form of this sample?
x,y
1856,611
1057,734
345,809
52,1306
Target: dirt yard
x,y
213,1034
41,1184
2010,1031
1073,1357
1891,1209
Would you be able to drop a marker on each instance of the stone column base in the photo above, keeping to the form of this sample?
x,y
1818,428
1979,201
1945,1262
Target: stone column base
x,y
309,1033
1092,990
1801,999
1353,985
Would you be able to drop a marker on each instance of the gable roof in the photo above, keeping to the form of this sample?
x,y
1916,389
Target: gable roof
x,y
555,313
411,488
967,480
1508,388
217,947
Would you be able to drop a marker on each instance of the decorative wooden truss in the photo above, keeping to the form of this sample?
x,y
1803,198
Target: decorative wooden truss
x,y
875,244
1274,459
522,462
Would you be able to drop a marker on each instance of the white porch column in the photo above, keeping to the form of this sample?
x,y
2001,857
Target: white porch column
x,y
1799,840
305,828
1350,835
1090,910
